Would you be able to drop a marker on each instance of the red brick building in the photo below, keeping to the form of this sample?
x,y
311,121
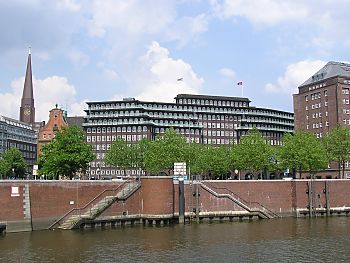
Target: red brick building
x,y
57,121
323,101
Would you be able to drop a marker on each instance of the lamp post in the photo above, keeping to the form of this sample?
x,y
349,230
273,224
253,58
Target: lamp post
x,y
13,173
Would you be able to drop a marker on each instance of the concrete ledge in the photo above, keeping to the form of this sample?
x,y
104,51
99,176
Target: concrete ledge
x,y
18,226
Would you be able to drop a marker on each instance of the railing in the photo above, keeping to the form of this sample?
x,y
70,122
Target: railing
x,y
242,202
81,210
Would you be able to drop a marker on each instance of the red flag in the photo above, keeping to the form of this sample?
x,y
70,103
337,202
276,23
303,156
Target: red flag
x,y
240,83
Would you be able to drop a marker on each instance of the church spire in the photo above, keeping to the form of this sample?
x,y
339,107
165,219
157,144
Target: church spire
x,y
27,110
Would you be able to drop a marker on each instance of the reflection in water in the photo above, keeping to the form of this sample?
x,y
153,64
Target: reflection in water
x,y
277,240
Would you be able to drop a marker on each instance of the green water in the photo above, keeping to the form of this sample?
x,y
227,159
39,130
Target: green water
x,y
276,240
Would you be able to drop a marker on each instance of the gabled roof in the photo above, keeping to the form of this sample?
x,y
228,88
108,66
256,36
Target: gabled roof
x,y
330,70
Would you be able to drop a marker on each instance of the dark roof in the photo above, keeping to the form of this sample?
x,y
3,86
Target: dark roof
x,y
75,121
210,97
330,70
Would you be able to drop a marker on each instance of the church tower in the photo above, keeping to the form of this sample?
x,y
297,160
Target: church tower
x,y
27,110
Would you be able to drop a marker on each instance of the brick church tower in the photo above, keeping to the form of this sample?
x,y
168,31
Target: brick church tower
x,y
27,110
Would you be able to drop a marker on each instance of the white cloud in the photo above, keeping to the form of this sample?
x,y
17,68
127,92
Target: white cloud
x,y
267,12
78,57
187,29
133,17
140,21
157,79
319,22
227,72
294,76
69,5
110,74
47,93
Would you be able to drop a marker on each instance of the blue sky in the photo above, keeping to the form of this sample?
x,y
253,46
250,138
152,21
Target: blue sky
x,y
92,50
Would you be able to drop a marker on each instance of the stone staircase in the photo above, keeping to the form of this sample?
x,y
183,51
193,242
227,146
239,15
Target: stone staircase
x,y
93,211
258,209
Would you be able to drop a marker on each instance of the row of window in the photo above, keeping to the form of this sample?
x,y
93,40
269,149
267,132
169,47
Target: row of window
x,y
317,115
220,133
166,106
346,111
116,172
127,138
345,91
23,147
117,129
213,102
317,125
317,86
48,136
218,125
185,115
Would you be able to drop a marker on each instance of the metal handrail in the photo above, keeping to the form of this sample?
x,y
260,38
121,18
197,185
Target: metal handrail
x,y
243,201
89,203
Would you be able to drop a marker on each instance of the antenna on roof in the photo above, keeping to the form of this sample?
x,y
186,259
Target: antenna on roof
x,y
29,50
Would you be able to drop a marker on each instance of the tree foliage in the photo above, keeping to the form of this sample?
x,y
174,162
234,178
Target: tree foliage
x,y
119,155
162,153
303,151
337,144
252,153
12,164
66,154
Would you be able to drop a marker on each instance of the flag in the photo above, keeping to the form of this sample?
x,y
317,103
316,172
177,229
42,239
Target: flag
x,y
240,83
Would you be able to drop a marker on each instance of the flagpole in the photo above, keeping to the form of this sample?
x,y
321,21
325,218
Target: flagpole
x,y
242,90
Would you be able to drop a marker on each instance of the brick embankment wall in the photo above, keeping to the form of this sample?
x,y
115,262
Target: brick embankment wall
x,y
155,197
50,200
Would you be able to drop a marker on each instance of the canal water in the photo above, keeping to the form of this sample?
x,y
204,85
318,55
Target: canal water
x,y
276,240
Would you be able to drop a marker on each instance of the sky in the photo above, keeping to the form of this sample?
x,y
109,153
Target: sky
x,y
100,50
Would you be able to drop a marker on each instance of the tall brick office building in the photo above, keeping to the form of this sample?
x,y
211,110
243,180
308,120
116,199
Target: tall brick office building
x,y
323,101
216,120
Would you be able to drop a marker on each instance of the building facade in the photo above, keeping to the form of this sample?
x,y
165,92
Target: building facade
x,y
57,121
20,135
213,120
323,101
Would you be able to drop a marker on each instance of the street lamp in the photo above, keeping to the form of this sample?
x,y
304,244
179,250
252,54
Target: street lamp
x,y
13,173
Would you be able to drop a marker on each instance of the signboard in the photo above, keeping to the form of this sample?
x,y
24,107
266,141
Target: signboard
x,y
14,191
179,169
176,178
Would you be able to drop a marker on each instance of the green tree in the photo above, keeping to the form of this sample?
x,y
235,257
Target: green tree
x,y
218,158
303,151
337,144
252,153
162,153
120,155
12,164
66,154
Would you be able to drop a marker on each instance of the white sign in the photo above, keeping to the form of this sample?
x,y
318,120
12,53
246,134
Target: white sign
x,y
179,168
14,191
